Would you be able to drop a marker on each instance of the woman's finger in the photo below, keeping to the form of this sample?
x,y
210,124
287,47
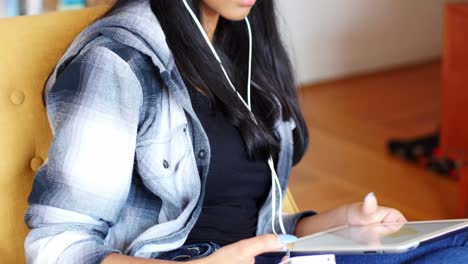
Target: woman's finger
x,y
394,216
370,205
284,260
260,244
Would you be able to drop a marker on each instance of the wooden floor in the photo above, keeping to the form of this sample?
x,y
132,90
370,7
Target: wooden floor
x,y
350,121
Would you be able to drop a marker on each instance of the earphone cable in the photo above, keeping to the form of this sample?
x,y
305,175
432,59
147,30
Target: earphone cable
x,y
275,183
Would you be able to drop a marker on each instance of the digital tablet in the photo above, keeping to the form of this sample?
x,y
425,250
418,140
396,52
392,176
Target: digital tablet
x,y
377,238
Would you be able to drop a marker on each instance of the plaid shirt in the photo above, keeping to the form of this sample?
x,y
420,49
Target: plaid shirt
x,y
124,172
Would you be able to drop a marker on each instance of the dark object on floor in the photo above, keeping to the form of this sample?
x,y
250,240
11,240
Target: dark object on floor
x,y
443,166
424,151
413,149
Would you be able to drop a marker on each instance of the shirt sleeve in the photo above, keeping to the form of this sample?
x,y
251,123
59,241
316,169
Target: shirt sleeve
x,y
289,220
93,110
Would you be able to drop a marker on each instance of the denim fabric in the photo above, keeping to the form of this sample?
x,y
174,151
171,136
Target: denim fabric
x,y
190,252
452,249
124,171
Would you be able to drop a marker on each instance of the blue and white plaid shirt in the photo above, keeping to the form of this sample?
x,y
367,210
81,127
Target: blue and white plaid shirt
x,y
124,172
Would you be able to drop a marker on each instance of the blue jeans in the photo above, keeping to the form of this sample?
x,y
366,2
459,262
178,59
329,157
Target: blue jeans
x,y
190,252
450,249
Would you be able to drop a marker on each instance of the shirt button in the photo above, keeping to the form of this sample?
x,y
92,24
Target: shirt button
x,y
202,154
165,164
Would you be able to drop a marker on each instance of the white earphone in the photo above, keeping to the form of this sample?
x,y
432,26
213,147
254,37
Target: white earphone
x,y
275,184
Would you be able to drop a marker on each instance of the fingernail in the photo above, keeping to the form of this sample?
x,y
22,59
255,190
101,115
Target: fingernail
x,y
369,196
286,239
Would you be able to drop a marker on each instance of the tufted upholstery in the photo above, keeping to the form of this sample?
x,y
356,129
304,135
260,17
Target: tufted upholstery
x,y
29,50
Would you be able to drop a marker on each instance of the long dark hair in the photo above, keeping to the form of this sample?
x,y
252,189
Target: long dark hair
x,y
273,86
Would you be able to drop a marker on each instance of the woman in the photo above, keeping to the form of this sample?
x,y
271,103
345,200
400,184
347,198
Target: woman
x,y
156,158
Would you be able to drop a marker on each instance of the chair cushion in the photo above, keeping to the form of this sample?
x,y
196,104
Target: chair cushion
x,y
29,51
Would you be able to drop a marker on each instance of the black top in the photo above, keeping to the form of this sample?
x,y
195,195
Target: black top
x,y
236,186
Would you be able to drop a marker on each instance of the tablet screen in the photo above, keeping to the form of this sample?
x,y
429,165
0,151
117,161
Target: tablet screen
x,y
398,237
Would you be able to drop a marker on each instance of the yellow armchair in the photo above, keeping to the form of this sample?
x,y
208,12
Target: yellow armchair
x,y
29,50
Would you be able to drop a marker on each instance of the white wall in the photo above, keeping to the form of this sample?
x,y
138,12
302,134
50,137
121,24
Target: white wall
x,y
329,39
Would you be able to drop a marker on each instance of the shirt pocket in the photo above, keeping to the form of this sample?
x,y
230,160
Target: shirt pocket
x,y
160,157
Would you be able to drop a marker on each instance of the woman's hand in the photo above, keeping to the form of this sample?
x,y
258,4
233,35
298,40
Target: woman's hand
x,y
369,212
244,251
363,213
